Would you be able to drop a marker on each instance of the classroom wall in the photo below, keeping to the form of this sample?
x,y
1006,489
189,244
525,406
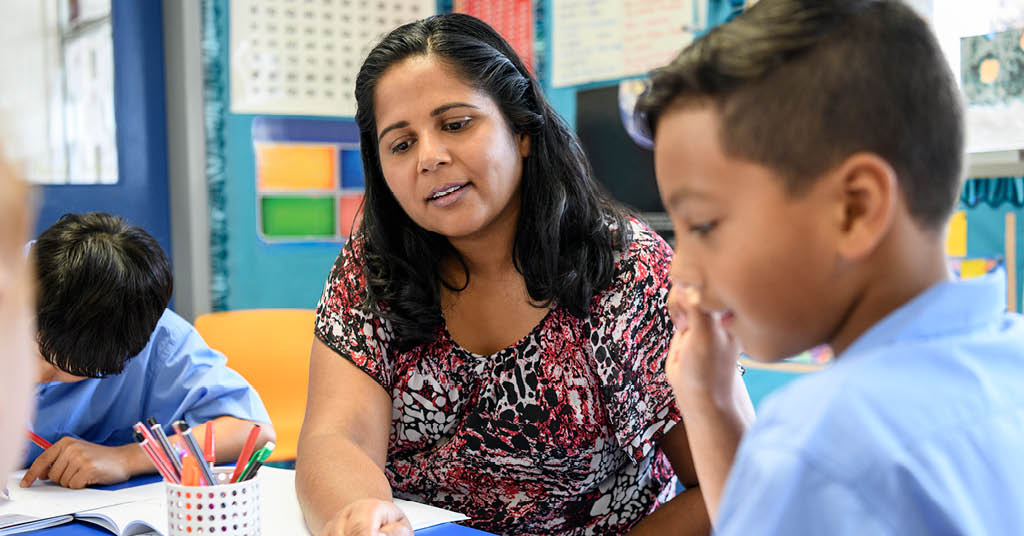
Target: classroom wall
x,y
253,272
250,271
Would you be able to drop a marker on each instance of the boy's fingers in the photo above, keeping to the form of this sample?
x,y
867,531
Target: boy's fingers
x,y
41,466
79,480
698,322
59,468
71,473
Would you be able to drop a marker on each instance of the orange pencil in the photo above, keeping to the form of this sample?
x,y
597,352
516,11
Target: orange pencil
x,y
208,447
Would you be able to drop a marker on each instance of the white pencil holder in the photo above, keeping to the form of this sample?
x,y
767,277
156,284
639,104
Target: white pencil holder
x,y
224,509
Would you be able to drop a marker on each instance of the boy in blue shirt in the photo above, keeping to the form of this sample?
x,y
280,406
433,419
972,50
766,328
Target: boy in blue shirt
x,y
810,153
113,355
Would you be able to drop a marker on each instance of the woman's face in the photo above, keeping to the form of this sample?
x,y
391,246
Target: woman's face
x,y
447,152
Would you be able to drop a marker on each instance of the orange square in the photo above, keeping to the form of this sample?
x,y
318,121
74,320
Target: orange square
x,y
287,167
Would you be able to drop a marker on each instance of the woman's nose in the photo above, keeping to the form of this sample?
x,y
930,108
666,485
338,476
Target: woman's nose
x,y
432,154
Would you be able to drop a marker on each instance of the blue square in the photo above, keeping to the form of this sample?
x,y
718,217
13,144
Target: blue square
x,y
351,169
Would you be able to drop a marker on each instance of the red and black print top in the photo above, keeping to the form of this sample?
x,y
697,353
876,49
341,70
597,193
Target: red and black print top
x,y
556,434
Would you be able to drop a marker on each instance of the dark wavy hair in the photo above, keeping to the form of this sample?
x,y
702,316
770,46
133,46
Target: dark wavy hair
x,y
568,230
103,285
801,85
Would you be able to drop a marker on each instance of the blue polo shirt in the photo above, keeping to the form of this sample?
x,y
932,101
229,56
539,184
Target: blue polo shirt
x,y
917,429
175,377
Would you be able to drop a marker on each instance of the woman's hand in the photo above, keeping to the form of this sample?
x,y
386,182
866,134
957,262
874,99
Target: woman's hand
x,y
369,517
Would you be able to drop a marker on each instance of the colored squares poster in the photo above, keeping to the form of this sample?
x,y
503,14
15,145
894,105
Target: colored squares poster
x,y
309,179
992,75
301,58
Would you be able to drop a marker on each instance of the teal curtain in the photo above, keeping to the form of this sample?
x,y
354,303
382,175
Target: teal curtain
x,y
993,192
215,108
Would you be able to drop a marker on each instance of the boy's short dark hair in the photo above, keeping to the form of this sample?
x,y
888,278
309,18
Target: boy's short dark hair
x,y
103,285
801,85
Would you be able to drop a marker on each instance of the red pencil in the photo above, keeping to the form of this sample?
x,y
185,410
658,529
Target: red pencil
x,y
243,457
43,444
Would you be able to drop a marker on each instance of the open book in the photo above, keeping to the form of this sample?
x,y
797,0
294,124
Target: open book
x,y
143,509
128,511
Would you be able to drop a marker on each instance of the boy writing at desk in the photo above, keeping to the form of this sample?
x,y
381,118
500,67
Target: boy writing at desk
x,y
114,355
810,154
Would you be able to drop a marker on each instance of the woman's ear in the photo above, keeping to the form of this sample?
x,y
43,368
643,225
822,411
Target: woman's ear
x,y
524,145
868,198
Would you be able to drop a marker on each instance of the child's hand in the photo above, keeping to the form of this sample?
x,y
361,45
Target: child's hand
x,y
702,358
75,464
369,517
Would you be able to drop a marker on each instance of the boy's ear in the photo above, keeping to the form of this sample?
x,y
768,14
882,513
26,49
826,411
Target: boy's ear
x,y
869,195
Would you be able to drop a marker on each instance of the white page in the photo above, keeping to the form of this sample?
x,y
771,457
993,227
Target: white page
x,y
130,519
281,513
46,499
423,515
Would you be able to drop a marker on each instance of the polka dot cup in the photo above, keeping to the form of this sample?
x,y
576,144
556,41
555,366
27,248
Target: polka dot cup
x,y
224,509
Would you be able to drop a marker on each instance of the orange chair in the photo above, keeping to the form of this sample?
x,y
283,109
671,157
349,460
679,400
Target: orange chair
x,y
270,349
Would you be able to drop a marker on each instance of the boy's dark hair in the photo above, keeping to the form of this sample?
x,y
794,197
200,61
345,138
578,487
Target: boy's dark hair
x,y
568,230
801,85
103,285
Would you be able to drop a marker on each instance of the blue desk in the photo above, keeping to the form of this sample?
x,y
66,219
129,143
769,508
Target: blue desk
x,y
79,528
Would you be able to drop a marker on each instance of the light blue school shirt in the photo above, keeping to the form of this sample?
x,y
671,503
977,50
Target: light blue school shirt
x,y
917,429
175,377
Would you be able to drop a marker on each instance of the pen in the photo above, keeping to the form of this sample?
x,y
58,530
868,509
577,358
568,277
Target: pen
x,y
43,444
258,457
208,452
193,446
243,457
158,451
252,472
150,451
161,437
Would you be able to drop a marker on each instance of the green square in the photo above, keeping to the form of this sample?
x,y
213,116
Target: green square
x,y
298,217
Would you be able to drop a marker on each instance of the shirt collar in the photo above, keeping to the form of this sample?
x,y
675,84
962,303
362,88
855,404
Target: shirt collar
x,y
957,306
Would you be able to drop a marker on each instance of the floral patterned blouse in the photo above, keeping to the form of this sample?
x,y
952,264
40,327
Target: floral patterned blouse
x,y
556,434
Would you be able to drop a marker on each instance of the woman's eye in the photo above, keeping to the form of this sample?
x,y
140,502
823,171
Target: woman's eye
x,y
400,147
703,229
454,126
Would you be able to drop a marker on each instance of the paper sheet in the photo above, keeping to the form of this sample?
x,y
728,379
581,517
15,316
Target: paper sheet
x,y
130,519
594,40
46,499
302,59
282,515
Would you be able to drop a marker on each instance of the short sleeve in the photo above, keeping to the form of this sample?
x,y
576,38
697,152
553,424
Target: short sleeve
x,y
357,335
630,333
773,490
191,381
